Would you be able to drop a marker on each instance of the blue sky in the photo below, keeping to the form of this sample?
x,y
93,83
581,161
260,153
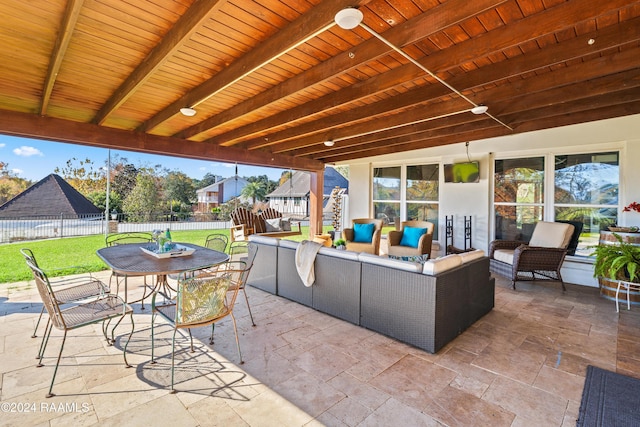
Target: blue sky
x,y
34,159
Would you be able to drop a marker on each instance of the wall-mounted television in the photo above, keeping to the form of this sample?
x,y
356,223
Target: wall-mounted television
x,y
462,172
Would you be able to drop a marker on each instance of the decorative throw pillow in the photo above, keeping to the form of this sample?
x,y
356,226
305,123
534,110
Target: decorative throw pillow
x,y
285,223
272,225
411,236
413,258
363,233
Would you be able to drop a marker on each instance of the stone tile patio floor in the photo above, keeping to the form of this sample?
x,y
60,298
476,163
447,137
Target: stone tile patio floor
x,y
521,365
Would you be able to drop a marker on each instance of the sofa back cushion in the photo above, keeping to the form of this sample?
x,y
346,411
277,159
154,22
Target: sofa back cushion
x,y
363,233
551,234
439,265
411,236
389,262
471,255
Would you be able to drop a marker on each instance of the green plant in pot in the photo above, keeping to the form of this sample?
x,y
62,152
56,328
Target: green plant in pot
x,y
617,262
340,244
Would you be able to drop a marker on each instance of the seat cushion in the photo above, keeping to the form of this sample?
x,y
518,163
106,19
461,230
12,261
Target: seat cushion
x,y
504,255
411,236
551,235
439,265
273,225
363,233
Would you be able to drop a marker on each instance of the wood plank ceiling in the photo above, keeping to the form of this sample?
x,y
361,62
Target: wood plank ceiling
x,y
271,80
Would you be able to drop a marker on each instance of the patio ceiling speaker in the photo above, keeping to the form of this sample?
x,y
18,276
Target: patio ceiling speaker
x,y
188,111
479,109
348,18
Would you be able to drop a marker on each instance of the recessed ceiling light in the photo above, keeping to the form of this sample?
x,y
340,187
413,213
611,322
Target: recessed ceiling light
x,y
348,18
479,109
591,41
329,143
188,111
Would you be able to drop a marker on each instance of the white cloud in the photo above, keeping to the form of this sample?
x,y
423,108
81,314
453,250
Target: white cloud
x,y
17,171
27,151
2,145
202,168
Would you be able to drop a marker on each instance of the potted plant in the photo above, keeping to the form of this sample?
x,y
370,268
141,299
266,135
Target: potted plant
x,y
620,261
340,244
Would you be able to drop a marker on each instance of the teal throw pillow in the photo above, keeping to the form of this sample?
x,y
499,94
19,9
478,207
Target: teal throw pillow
x,y
363,233
411,236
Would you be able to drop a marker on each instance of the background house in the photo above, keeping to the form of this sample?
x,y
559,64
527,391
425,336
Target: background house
x,y
292,197
52,195
219,192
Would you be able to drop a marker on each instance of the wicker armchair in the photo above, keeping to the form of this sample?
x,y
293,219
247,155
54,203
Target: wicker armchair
x,y
541,258
424,243
372,246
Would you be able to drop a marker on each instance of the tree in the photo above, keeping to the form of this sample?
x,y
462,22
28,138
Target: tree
x,y
266,183
10,185
179,187
83,175
144,200
99,199
254,191
123,178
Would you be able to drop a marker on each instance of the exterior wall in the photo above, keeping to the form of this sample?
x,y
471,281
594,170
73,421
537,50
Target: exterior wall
x,y
621,133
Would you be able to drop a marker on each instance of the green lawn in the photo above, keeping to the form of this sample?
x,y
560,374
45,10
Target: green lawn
x,y
79,253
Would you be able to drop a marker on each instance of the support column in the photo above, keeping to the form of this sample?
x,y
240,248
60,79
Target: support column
x,y
315,203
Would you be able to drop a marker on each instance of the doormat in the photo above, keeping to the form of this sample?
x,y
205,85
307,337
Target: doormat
x,y
609,399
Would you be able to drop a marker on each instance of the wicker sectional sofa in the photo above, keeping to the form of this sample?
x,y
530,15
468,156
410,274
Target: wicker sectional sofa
x,y
423,306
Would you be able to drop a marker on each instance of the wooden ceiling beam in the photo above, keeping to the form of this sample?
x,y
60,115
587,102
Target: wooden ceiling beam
x,y
617,62
306,25
187,25
492,132
69,20
52,129
548,22
418,28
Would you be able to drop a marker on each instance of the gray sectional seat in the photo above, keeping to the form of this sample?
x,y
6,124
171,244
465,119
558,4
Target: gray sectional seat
x,y
425,306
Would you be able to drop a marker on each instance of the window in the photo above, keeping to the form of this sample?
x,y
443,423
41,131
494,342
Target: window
x,y
386,194
586,190
406,192
422,189
581,187
518,197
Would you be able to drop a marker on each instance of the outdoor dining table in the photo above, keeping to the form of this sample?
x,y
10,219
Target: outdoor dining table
x,y
130,260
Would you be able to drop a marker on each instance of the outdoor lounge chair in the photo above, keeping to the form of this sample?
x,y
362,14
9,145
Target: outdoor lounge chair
x,y
67,290
102,308
364,235
269,222
541,258
203,298
411,240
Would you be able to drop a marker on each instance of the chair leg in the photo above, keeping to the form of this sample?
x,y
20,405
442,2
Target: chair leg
x,y
235,330
617,293
55,371
628,303
191,339
173,356
213,327
35,330
248,306
124,351
43,343
153,318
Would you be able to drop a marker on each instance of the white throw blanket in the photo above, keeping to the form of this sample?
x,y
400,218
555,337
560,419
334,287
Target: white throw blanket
x,y
305,257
